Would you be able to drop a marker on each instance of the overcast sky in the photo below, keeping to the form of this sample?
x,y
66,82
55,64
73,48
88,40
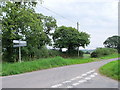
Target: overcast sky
x,y
99,18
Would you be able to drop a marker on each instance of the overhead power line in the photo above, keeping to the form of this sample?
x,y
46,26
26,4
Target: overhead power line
x,y
56,13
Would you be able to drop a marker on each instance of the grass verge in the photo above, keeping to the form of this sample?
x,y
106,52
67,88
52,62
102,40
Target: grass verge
x,y
17,68
111,70
115,55
28,66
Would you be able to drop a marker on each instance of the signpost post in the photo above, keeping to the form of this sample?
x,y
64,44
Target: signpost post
x,y
19,43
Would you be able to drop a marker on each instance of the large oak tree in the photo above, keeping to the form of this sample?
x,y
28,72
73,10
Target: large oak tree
x,y
70,38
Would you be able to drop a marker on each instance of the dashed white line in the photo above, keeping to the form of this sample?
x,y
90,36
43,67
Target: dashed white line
x,y
95,74
75,84
88,78
84,74
67,81
55,86
69,86
88,72
91,71
92,76
78,77
82,81
73,79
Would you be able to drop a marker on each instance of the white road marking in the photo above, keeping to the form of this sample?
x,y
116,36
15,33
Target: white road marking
x,y
89,72
84,74
69,86
66,81
79,77
73,79
75,84
92,75
55,86
87,78
95,74
93,70
76,78
82,81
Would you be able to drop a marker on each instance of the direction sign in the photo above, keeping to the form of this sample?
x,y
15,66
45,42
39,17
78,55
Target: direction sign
x,y
18,43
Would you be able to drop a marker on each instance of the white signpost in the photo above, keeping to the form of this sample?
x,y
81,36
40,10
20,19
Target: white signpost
x,y
18,43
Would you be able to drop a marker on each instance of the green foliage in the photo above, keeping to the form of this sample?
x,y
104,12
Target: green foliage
x,y
113,42
111,70
21,22
16,68
49,24
43,52
70,38
53,53
103,51
87,52
74,53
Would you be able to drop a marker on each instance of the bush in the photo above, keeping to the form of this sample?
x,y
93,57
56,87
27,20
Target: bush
x,y
73,53
87,52
35,53
53,53
102,52
43,52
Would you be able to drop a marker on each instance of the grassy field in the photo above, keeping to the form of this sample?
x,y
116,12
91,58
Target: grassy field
x,y
28,66
111,70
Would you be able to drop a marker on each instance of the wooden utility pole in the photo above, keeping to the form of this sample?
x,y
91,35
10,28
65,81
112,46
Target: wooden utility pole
x,y
78,30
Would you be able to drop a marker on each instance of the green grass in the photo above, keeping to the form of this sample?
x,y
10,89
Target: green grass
x,y
115,55
17,68
29,66
111,70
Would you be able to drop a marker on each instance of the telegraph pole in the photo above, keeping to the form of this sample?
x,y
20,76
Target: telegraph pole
x,y
78,30
78,26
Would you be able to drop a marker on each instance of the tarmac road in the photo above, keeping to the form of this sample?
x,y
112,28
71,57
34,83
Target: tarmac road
x,y
73,76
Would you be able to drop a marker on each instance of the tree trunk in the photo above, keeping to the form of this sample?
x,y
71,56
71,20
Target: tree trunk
x,y
70,48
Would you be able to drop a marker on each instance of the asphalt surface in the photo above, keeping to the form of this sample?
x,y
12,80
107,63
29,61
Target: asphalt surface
x,y
73,76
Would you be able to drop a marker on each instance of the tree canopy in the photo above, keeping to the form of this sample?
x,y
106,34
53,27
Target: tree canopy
x,y
70,38
113,42
21,22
